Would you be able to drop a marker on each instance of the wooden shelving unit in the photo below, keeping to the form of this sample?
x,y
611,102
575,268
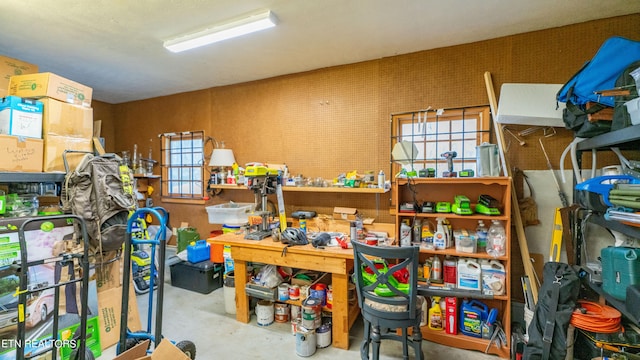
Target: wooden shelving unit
x,y
311,189
444,189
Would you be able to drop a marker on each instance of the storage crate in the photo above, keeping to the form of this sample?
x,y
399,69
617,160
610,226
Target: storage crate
x,y
203,277
230,213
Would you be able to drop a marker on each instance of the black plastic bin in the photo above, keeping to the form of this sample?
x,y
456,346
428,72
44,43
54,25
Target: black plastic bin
x,y
202,277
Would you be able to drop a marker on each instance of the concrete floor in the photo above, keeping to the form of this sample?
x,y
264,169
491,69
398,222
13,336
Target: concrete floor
x,y
202,319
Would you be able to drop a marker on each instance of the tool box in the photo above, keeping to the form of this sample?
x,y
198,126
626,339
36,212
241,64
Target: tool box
x,y
620,269
202,277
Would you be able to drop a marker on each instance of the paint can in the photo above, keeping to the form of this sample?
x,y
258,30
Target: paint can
x,y
304,291
319,291
311,313
329,296
295,324
283,292
305,342
264,313
296,312
281,313
294,292
323,336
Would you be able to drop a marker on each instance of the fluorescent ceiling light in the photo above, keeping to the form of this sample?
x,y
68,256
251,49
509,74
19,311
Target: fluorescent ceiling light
x,y
227,30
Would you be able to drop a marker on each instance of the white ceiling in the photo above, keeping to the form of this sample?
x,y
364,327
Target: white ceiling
x,y
115,46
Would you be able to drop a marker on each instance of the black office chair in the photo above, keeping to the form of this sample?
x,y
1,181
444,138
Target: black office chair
x,y
396,310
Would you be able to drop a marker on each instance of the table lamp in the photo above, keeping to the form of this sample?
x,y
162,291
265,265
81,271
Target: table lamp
x,y
221,158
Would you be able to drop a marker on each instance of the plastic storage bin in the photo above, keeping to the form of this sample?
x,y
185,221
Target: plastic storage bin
x,y
230,213
202,277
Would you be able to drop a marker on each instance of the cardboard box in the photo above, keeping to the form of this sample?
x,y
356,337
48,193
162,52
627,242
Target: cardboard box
x,y
165,351
344,213
50,85
11,67
109,310
21,117
24,154
109,274
54,147
64,119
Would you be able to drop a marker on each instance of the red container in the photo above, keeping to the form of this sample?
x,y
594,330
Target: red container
x,y
451,315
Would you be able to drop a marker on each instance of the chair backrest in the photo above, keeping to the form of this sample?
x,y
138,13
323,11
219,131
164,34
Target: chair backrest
x,y
390,300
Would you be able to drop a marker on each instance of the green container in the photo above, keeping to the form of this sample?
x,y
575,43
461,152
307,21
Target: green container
x,y
620,269
186,236
92,341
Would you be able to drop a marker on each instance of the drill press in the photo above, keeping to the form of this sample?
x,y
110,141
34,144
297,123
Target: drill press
x,y
263,182
449,156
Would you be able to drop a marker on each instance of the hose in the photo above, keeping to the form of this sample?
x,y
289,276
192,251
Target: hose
x,y
594,317
574,161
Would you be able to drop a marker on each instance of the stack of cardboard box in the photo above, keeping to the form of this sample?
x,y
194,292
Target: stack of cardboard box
x,y
43,114
67,119
19,121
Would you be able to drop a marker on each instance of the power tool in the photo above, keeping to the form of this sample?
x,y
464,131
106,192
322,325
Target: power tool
x,y
449,156
141,270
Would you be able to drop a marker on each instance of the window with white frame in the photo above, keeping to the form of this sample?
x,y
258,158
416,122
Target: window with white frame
x,y
436,132
182,163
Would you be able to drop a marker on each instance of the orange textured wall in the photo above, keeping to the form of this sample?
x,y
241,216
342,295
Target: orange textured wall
x,y
328,121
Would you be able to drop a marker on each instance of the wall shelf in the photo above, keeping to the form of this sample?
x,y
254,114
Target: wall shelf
x,y
6,177
310,189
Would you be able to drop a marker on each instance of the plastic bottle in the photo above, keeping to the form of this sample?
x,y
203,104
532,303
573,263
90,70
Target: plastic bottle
x,y
481,234
381,179
424,311
405,235
353,231
303,224
436,269
440,237
449,272
496,239
417,232
435,314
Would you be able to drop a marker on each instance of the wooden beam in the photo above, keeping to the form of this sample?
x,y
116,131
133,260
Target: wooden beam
x,y
515,210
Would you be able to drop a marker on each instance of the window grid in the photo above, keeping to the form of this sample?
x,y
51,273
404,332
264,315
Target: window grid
x,y
182,163
436,132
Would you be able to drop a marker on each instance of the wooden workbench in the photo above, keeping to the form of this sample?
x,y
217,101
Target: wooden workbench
x,y
334,260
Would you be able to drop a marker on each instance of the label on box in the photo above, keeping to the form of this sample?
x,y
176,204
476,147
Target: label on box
x,y
20,154
21,117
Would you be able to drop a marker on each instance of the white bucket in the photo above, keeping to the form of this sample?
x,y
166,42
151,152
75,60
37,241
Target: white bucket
x,y
264,313
229,299
305,342
323,336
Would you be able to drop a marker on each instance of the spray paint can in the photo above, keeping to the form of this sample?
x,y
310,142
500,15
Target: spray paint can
x,y
303,224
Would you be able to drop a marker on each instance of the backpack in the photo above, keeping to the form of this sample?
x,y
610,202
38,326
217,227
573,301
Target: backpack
x,y
100,191
625,81
599,73
556,301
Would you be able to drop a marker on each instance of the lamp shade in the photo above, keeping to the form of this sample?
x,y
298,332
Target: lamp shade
x,y
222,157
